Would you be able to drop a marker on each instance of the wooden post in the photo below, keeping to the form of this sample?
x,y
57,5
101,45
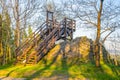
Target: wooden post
x,y
72,34
71,29
58,31
49,21
65,22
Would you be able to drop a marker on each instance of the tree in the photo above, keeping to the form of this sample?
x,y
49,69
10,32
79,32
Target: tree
x,y
6,40
103,18
6,35
1,47
23,13
17,19
97,41
16,16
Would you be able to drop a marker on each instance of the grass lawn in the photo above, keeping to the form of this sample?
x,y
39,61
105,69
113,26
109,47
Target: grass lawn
x,y
63,70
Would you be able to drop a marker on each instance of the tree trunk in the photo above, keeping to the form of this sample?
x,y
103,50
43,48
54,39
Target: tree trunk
x,y
0,33
1,49
17,31
97,42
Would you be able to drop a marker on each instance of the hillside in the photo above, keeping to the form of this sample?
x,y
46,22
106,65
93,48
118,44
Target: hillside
x,y
66,61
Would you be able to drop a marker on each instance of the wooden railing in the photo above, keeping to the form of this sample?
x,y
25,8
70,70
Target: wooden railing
x,y
30,40
47,43
44,37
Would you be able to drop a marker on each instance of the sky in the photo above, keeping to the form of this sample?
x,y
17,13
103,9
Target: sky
x,y
81,30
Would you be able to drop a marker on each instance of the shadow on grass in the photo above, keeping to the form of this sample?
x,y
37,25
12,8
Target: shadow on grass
x,y
63,70
11,72
105,72
37,73
110,72
115,69
8,74
6,66
109,62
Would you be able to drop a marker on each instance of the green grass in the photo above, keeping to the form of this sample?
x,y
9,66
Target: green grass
x,y
64,69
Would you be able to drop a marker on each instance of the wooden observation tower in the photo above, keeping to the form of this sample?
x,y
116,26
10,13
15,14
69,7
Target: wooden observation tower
x,y
35,47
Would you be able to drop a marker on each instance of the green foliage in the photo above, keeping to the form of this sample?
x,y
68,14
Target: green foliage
x,y
24,35
6,39
29,30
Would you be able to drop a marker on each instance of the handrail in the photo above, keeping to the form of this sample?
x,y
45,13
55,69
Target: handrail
x,y
26,43
39,36
43,39
32,34
49,38
44,43
46,40
71,23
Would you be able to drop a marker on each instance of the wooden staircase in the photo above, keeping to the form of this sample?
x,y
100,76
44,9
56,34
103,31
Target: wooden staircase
x,y
28,46
37,45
